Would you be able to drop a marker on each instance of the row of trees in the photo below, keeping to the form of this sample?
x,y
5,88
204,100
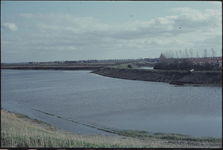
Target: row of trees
x,y
189,53
178,60
185,64
106,60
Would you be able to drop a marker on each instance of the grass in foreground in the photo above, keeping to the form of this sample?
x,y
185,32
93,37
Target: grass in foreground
x,y
19,130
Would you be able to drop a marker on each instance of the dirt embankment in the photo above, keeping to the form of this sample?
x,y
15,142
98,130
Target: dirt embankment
x,y
170,76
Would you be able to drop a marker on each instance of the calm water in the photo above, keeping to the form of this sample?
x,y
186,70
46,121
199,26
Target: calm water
x,y
113,103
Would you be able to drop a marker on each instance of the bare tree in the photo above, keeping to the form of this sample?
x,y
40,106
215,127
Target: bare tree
x,y
213,53
176,54
172,54
197,54
167,54
205,53
181,54
191,53
186,53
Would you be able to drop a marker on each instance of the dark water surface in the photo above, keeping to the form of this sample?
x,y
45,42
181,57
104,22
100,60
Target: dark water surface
x,y
113,103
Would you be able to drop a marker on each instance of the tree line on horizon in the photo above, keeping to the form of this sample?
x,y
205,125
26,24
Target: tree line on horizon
x,y
179,60
177,54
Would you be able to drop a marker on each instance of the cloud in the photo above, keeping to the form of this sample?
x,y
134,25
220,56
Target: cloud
x,y
10,26
192,18
189,20
75,37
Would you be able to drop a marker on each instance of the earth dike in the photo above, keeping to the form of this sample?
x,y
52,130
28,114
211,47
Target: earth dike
x,y
176,77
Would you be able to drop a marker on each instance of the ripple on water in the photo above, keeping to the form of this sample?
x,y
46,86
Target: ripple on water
x,y
126,104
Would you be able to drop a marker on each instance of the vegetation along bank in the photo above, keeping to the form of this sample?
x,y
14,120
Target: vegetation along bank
x,y
18,130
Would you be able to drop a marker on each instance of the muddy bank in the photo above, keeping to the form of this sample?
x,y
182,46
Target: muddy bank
x,y
170,76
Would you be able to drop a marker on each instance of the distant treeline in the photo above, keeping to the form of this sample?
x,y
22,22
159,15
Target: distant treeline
x,y
185,61
89,61
185,64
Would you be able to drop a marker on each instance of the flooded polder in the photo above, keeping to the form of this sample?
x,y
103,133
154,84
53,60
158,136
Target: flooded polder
x,y
83,102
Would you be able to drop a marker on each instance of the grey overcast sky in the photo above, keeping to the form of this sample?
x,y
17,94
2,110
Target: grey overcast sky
x,y
81,30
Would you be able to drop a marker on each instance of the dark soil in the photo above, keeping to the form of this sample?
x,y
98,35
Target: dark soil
x,y
170,76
